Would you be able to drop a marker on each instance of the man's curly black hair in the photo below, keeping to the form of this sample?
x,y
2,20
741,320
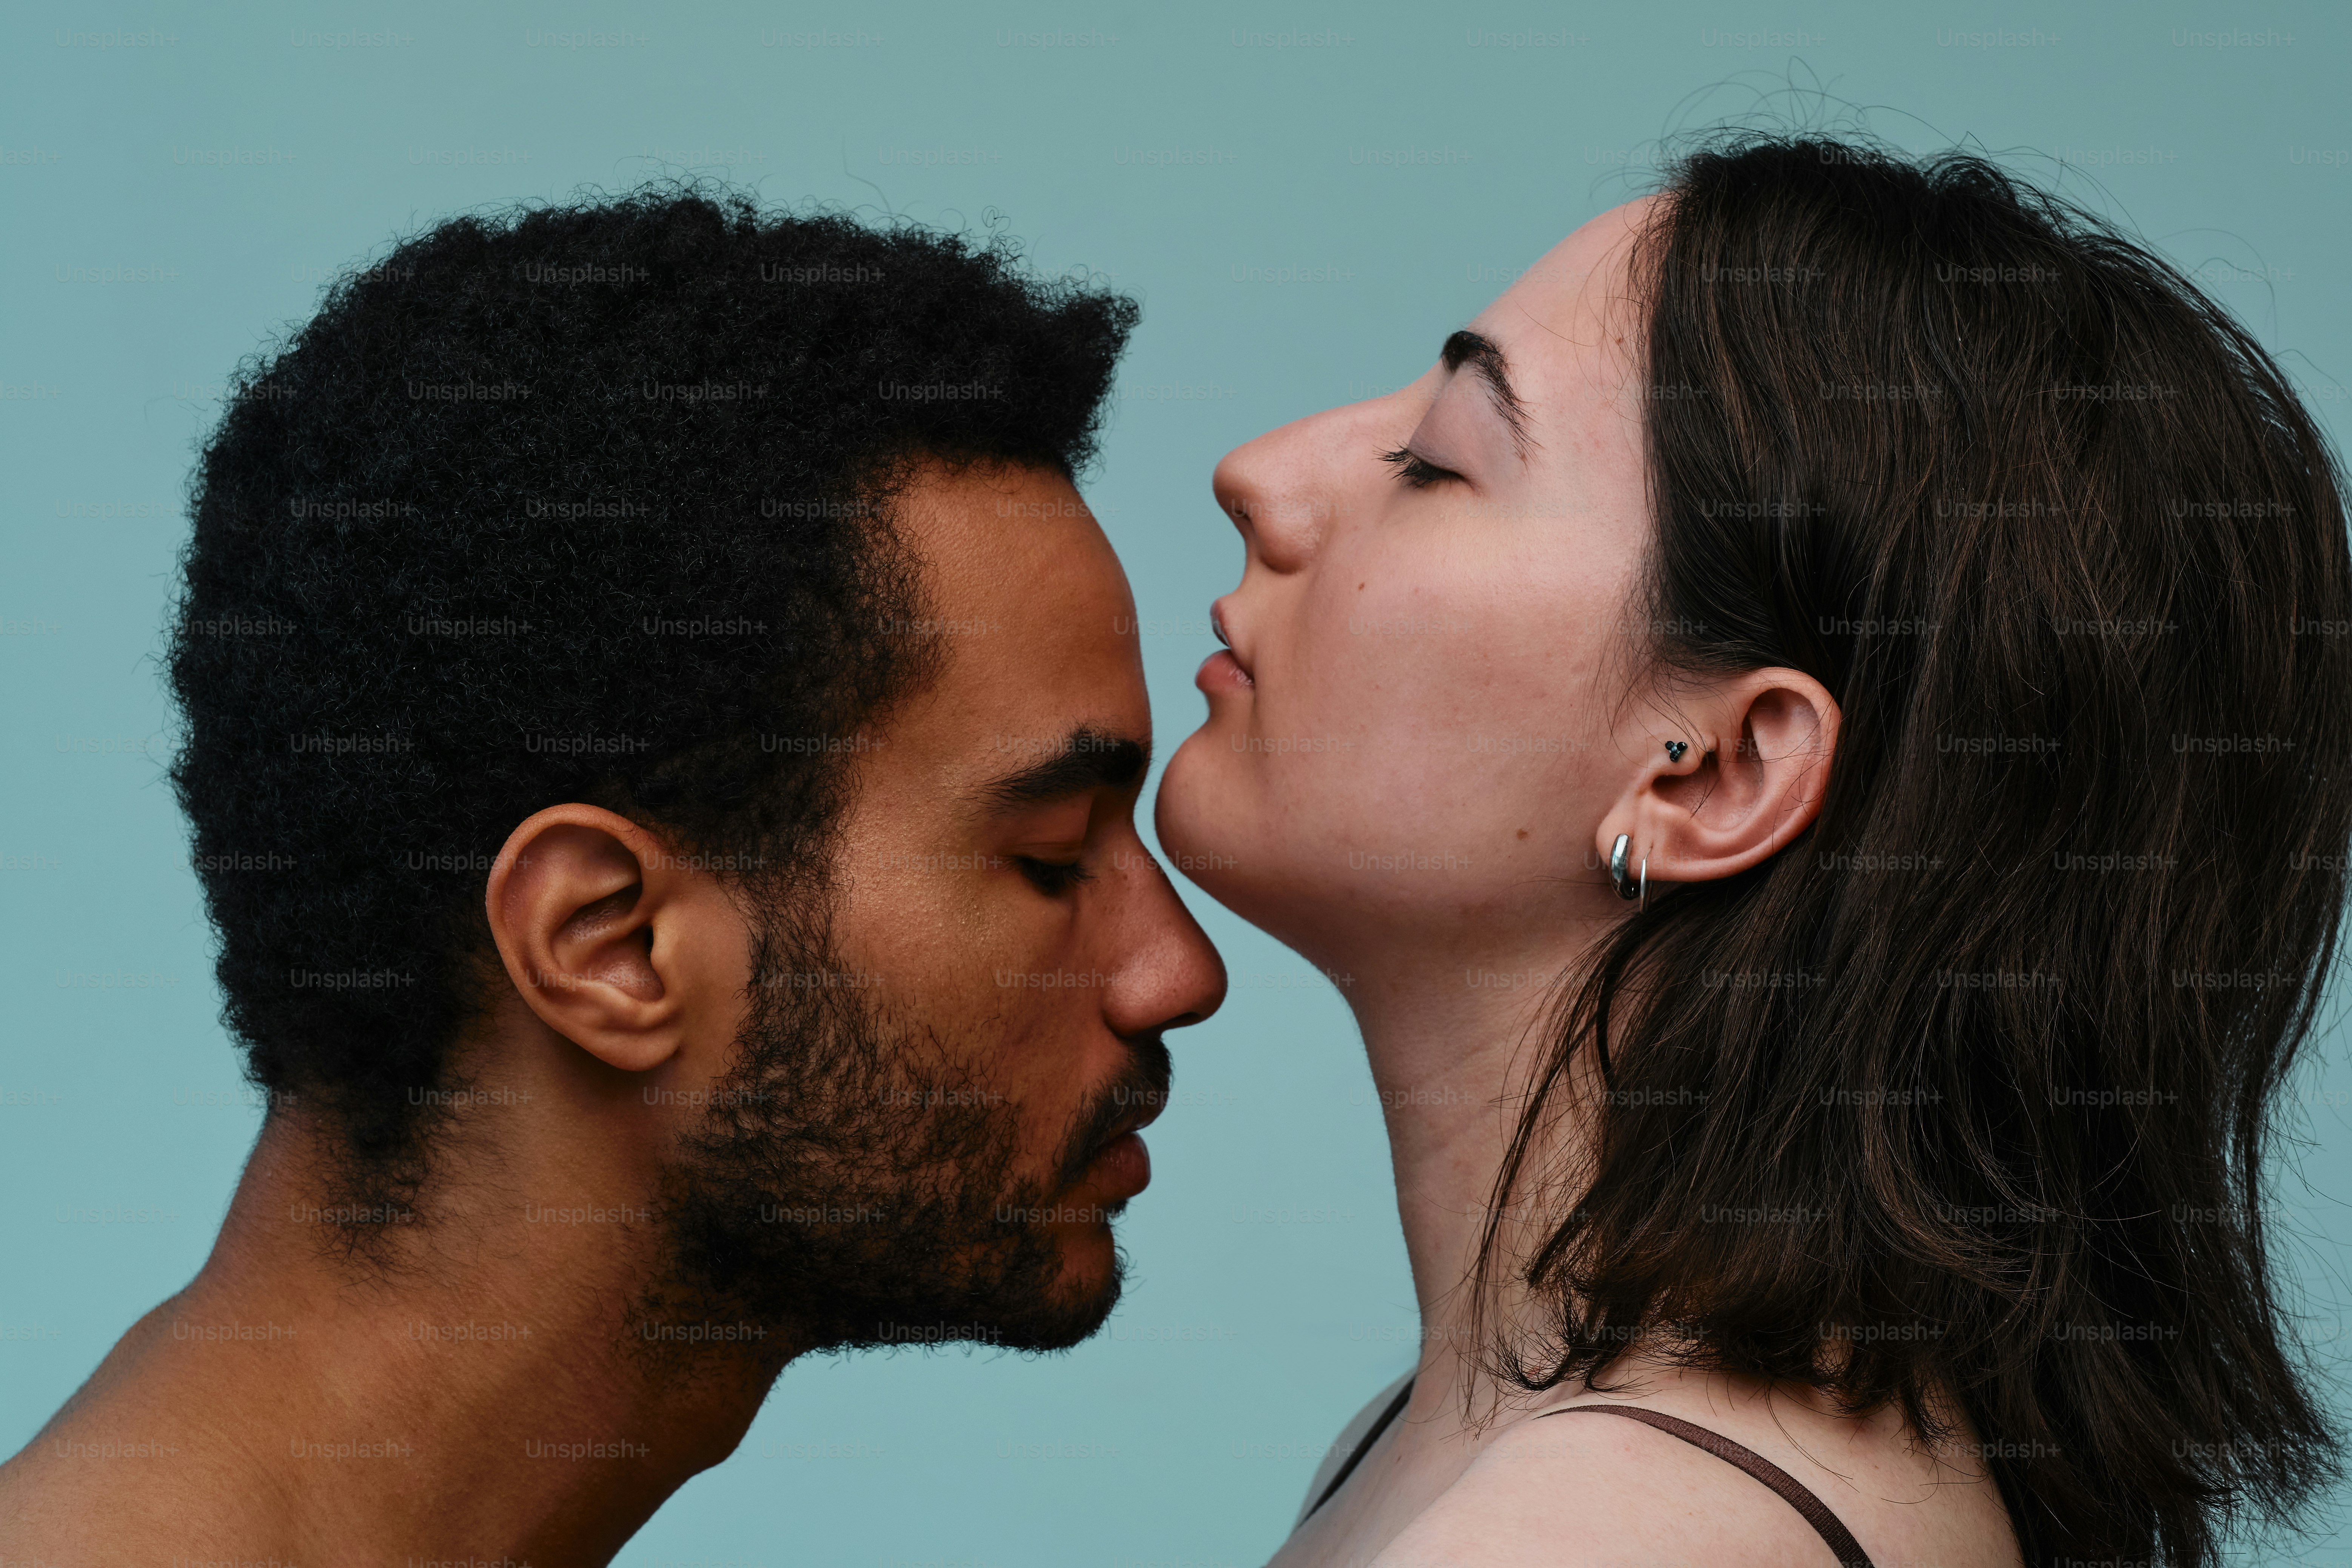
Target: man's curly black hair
x,y
585,501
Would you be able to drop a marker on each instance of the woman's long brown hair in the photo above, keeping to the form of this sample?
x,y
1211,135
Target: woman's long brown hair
x,y
1964,1098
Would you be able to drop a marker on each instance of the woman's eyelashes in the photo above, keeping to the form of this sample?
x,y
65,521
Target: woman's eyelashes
x,y
1413,470
1052,877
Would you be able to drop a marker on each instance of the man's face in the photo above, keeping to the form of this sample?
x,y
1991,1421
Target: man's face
x,y
930,1123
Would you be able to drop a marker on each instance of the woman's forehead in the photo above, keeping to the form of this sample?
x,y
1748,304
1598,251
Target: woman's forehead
x,y
1562,325
1599,246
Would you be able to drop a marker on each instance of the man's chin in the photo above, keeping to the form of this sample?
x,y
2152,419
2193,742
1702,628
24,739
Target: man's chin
x,y
1051,1290
1086,1287
1081,1303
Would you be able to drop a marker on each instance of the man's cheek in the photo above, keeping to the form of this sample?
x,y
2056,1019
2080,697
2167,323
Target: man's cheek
x,y
1021,1062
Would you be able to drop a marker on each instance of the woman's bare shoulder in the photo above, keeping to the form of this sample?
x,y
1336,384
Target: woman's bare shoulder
x,y
1567,1490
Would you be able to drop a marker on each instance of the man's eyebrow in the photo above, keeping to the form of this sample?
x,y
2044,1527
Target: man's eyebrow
x,y
1085,758
1481,354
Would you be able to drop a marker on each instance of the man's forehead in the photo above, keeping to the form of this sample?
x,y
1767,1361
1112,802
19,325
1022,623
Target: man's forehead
x,y
968,522
1032,618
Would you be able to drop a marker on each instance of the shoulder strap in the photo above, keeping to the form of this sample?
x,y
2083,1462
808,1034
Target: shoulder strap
x,y
1363,1446
1792,1491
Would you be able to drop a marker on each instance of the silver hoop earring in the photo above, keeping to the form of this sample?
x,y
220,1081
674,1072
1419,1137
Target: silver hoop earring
x,y
1621,874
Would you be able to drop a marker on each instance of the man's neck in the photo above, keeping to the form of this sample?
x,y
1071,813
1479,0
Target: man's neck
x,y
480,1390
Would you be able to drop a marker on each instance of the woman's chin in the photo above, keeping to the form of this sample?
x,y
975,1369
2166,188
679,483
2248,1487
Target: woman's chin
x,y
1218,832
1205,826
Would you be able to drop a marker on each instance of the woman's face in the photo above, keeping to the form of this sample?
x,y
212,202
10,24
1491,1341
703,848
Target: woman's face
x,y
1420,714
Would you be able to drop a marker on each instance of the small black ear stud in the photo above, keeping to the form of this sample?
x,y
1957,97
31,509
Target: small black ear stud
x,y
1675,750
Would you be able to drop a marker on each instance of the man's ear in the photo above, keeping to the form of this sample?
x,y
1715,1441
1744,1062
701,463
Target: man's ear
x,y
1751,777
603,933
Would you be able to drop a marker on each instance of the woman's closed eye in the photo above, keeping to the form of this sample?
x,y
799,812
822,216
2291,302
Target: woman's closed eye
x,y
1412,468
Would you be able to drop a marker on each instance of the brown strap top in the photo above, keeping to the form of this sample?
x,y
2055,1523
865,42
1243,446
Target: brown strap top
x,y
1792,1491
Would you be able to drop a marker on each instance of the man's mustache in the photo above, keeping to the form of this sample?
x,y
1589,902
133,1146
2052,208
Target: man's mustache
x,y
1141,1088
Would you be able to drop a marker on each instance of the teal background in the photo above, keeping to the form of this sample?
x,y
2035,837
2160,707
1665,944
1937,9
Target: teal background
x,y
176,181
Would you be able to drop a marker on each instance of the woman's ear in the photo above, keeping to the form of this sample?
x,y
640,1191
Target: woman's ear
x,y
1750,779
581,904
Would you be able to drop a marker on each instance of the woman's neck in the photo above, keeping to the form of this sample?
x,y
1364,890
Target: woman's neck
x,y
1451,1035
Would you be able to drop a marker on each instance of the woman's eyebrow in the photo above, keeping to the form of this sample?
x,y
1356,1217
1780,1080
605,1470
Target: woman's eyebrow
x,y
1481,354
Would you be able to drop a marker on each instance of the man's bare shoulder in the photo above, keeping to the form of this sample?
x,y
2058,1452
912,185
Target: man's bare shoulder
x,y
56,1507
1565,1491
120,1473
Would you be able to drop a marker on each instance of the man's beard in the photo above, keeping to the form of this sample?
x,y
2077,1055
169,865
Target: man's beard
x,y
851,1186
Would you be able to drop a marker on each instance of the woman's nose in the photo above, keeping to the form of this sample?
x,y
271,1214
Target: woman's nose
x,y
1285,490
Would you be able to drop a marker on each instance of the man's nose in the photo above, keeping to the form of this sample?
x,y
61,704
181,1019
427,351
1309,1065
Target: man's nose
x,y
1169,974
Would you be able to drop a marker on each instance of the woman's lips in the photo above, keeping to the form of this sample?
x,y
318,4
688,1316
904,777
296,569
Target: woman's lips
x,y
1221,671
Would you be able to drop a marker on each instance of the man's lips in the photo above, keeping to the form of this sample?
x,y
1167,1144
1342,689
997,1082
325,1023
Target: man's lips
x,y
1122,1165
1122,1168
1144,1108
